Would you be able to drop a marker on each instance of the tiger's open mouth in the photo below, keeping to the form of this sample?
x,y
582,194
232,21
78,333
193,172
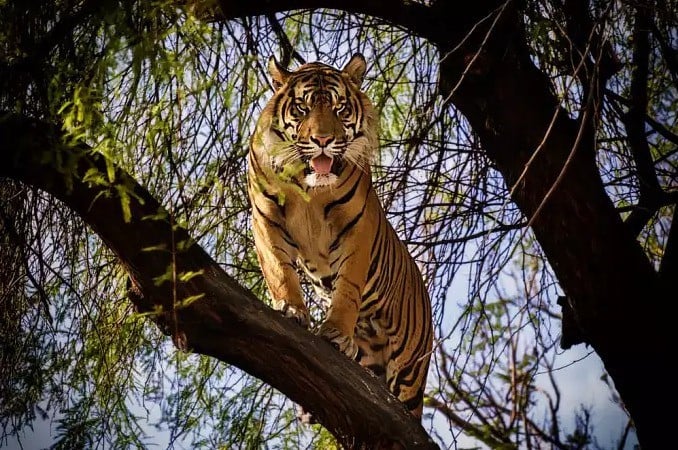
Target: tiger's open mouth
x,y
323,165
323,170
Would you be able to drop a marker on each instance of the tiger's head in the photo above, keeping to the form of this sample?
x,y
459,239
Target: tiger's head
x,y
319,121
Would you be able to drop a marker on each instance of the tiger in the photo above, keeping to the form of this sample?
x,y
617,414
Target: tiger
x,y
315,213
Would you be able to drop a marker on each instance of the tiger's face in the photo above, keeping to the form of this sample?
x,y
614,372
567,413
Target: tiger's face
x,y
320,121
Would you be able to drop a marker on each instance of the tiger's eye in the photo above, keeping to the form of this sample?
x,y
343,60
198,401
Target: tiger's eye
x,y
344,110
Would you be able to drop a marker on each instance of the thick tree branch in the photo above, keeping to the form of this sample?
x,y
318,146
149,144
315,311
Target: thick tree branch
x,y
403,14
441,23
224,320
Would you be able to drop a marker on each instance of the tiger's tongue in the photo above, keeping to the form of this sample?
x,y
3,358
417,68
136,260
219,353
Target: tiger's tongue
x,y
321,164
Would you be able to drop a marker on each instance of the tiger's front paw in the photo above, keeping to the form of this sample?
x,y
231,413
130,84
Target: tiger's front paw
x,y
341,342
299,315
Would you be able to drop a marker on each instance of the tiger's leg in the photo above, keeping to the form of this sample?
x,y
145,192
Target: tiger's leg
x,y
372,342
276,262
406,379
342,315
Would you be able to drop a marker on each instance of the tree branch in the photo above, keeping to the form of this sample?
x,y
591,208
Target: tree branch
x,y
634,121
440,23
479,432
670,54
656,126
210,313
287,49
588,50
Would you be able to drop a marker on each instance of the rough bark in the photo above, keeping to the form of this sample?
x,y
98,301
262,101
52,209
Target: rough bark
x,y
227,321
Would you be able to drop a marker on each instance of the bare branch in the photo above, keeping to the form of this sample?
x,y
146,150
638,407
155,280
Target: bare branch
x,y
477,431
670,54
650,191
288,50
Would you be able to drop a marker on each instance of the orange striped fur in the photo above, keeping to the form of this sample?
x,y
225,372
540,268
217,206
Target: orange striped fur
x,y
314,210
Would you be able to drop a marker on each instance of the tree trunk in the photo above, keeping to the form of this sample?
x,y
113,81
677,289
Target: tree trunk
x,y
611,287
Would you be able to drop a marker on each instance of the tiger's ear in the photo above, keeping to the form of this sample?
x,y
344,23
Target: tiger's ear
x,y
356,68
278,73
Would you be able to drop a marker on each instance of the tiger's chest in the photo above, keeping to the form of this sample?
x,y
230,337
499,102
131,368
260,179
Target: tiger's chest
x,y
325,231
314,236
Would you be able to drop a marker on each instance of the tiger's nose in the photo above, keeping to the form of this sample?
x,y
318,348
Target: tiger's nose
x,y
322,141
